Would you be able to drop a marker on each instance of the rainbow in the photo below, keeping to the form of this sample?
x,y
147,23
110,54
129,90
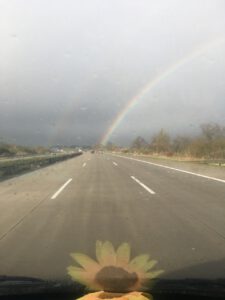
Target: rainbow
x,y
154,82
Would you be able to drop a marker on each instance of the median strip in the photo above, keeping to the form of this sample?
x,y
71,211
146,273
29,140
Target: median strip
x,y
61,189
143,185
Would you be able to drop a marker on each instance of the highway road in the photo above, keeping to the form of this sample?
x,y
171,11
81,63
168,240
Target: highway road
x,y
171,211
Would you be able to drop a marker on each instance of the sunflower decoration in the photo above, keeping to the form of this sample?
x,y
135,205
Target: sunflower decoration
x,y
114,274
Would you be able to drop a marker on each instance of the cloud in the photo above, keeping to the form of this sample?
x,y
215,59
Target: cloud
x,y
68,69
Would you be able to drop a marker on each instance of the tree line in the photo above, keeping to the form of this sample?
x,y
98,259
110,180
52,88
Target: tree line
x,y
209,144
10,150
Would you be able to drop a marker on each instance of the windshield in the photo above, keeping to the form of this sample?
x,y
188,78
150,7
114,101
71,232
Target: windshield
x,y
112,141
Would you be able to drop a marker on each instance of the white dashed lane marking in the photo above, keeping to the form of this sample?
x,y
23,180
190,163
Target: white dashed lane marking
x,y
143,185
61,188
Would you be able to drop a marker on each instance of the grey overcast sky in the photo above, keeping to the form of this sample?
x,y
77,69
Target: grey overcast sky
x,y
68,67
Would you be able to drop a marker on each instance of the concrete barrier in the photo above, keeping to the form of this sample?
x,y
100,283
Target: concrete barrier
x,y
18,166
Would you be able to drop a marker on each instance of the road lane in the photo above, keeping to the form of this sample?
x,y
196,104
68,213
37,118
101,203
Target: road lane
x,y
201,198
92,207
21,194
204,169
182,225
173,169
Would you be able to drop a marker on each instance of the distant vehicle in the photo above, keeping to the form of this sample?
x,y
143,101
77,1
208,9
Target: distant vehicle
x,y
92,151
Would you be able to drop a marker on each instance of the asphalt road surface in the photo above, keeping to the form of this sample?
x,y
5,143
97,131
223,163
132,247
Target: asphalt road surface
x,y
174,213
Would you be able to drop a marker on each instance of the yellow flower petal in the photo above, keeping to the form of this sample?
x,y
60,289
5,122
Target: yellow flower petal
x,y
107,254
76,269
139,262
123,254
153,274
150,264
83,277
85,261
98,250
78,275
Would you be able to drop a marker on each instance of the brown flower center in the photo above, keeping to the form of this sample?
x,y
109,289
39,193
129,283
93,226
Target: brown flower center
x,y
115,279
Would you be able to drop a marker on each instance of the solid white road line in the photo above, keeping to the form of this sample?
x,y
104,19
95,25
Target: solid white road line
x,y
61,189
84,164
174,169
143,185
115,164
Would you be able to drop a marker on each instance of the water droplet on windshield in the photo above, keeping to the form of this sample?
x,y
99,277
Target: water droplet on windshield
x,y
14,35
83,108
95,75
68,54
